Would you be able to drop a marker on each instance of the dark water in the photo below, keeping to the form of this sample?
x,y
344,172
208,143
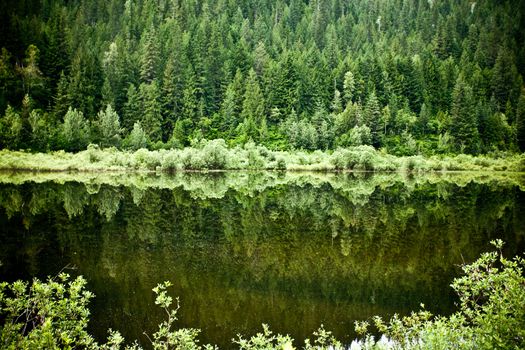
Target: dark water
x,y
293,251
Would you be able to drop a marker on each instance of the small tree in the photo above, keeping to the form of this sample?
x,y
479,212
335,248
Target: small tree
x,y
108,125
75,131
137,138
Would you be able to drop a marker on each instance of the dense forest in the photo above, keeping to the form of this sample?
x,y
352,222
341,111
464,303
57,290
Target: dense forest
x,y
410,77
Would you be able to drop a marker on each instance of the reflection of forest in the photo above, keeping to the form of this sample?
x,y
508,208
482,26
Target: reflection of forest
x,y
245,248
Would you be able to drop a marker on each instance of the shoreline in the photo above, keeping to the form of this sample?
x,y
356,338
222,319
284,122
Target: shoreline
x,y
214,157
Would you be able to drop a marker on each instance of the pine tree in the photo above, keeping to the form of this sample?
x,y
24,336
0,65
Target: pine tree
x,y
6,77
32,77
253,104
151,116
85,81
172,92
503,75
149,56
11,129
520,122
55,58
463,121
348,87
62,100
137,138
372,117
75,131
132,108
189,102
336,105
229,116
108,125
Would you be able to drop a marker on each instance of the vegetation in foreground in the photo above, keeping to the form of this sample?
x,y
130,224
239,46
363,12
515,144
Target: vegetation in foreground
x,y
216,155
54,314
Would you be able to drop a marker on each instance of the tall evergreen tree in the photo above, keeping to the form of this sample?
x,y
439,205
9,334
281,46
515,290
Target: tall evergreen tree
x,y
463,124
151,110
149,55
253,104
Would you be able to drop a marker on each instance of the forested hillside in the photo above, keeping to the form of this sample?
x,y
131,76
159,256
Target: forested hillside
x,y
411,77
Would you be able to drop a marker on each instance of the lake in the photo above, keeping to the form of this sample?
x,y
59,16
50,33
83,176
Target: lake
x,y
292,250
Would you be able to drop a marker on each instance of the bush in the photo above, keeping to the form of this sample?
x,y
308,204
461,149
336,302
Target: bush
x,y
171,161
215,154
147,159
192,159
45,315
490,316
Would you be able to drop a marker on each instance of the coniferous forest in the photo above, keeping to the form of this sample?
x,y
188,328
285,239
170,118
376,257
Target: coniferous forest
x,y
409,77
290,163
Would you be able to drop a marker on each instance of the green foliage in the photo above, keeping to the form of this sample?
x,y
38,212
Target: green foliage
x,y
108,125
75,131
213,155
11,129
241,75
137,138
52,314
265,340
166,337
490,315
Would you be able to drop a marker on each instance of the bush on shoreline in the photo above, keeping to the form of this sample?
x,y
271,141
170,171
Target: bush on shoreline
x,y
215,155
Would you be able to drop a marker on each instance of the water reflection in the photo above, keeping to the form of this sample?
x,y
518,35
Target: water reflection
x,y
290,250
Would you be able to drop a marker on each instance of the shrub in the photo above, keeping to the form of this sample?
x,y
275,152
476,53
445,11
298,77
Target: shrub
x,y
215,154
50,314
171,161
192,159
491,313
147,159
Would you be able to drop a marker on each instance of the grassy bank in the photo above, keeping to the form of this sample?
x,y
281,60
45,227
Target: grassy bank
x,y
215,155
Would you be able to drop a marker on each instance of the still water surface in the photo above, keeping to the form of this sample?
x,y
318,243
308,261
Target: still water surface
x,y
293,251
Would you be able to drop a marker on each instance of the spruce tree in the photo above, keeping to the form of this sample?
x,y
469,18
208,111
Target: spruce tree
x,y
463,126
253,104
151,110
108,125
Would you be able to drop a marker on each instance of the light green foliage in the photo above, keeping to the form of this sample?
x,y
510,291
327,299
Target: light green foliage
x,y
55,315
10,129
108,125
31,75
40,133
265,340
137,138
166,337
208,155
52,314
349,87
216,154
490,316
361,158
75,131
357,136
